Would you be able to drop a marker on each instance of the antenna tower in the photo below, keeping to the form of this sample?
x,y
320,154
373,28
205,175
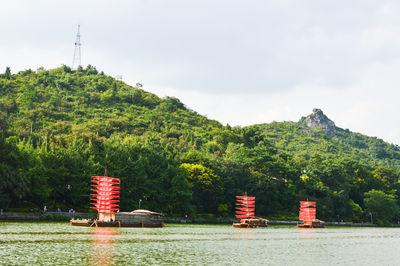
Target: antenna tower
x,y
77,52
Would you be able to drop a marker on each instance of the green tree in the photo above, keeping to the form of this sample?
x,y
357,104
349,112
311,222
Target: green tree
x,y
207,187
385,178
382,206
13,182
7,73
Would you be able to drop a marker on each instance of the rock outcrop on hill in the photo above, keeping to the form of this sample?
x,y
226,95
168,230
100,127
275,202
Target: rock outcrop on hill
x,y
319,120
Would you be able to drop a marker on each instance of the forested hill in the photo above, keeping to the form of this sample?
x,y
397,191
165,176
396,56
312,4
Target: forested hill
x,y
59,127
84,102
316,134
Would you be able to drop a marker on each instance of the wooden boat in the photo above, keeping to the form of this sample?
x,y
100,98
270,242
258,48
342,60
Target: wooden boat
x,y
137,218
311,224
245,210
106,202
251,223
307,215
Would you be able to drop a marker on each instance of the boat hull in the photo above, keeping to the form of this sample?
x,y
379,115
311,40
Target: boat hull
x,y
239,225
251,223
95,223
311,224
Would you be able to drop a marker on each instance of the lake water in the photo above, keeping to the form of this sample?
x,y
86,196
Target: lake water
x,y
62,244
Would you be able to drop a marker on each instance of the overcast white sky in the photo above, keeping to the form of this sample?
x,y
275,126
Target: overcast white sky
x,y
239,62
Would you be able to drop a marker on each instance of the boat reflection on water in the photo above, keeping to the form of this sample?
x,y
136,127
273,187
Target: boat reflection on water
x,y
103,245
307,233
306,230
245,234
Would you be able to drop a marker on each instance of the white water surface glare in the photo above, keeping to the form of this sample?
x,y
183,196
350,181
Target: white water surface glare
x,y
62,244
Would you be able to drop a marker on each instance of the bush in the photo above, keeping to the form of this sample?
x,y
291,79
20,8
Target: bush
x,y
18,209
205,215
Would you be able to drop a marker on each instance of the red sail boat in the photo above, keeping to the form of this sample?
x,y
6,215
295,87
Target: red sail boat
x,y
245,211
307,215
105,200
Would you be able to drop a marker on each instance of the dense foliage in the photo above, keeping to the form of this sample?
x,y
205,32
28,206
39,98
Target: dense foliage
x,y
59,127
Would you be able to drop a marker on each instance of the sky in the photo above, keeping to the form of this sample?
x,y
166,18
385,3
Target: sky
x,y
238,62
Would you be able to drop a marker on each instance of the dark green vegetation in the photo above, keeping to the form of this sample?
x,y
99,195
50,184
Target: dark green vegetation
x,y
60,127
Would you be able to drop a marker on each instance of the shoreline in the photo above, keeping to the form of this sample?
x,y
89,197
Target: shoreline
x,y
66,216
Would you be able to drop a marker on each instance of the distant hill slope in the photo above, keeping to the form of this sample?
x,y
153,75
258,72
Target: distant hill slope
x,y
64,102
316,133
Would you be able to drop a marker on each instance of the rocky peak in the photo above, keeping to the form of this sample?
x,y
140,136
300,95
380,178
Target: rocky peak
x,y
319,120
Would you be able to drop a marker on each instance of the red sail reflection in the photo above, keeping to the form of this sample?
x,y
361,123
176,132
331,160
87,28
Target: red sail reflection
x,y
103,241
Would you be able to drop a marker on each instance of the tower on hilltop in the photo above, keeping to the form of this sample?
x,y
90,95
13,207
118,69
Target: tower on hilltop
x,y
76,62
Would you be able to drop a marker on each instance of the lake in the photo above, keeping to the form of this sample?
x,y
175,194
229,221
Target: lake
x,y
62,244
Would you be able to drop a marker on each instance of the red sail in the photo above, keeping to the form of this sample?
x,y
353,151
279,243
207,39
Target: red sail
x,y
105,202
105,184
307,203
101,192
245,207
246,201
105,197
245,213
102,199
244,204
106,192
105,187
242,216
307,211
97,205
106,181
245,210
105,178
105,209
248,214
246,198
